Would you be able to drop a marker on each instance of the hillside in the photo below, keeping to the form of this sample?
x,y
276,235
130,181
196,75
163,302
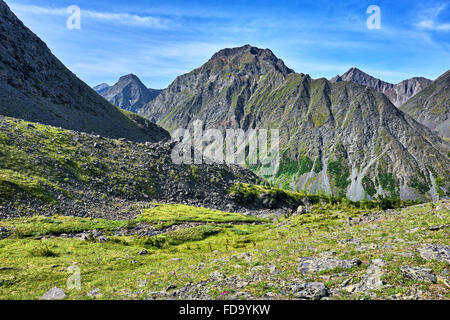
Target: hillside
x,y
47,170
129,93
36,86
431,107
340,138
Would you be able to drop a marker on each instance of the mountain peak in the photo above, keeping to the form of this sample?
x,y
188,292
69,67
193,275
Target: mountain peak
x,y
398,93
129,77
129,93
248,57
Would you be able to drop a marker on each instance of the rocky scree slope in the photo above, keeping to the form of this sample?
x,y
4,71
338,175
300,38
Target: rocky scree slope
x,y
398,93
46,170
340,138
431,107
36,86
129,93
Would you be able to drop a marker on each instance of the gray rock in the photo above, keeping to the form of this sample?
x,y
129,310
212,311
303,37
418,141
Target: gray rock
x,y
310,290
419,274
372,279
54,294
438,252
94,293
303,210
217,276
317,264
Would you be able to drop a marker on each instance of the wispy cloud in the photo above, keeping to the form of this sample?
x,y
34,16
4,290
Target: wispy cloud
x,y
429,20
119,18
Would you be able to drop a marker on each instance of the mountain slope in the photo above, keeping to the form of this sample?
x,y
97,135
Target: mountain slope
x,y
397,93
431,107
342,138
129,93
36,86
48,170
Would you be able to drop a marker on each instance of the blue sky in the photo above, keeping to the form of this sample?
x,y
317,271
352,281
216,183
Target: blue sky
x,y
159,40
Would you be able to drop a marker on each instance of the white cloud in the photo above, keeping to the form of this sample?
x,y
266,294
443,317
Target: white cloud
x,y
119,18
429,20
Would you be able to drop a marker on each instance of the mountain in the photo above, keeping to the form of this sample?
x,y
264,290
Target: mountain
x,y
431,107
397,93
101,87
36,86
340,138
129,93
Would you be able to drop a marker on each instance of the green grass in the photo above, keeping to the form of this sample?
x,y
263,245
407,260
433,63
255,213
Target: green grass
x,y
37,226
190,255
173,213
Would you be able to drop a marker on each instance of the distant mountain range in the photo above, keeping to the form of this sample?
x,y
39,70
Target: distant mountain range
x,y
36,86
129,93
397,93
425,100
338,137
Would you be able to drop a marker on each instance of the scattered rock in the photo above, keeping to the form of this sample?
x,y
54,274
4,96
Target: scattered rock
x,y
143,252
438,252
54,294
171,287
94,293
217,276
303,210
310,290
372,279
439,227
419,274
316,264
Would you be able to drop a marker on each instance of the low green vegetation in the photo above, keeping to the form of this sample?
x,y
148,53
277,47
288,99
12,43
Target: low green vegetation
x,y
422,187
388,182
168,214
181,257
38,226
249,194
340,175
369,186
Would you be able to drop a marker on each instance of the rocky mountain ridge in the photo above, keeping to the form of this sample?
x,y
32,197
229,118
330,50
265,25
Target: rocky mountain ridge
x,y
340,138
398,93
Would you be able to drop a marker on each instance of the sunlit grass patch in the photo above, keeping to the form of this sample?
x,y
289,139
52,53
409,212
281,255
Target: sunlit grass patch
x,y
56,225
183,213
